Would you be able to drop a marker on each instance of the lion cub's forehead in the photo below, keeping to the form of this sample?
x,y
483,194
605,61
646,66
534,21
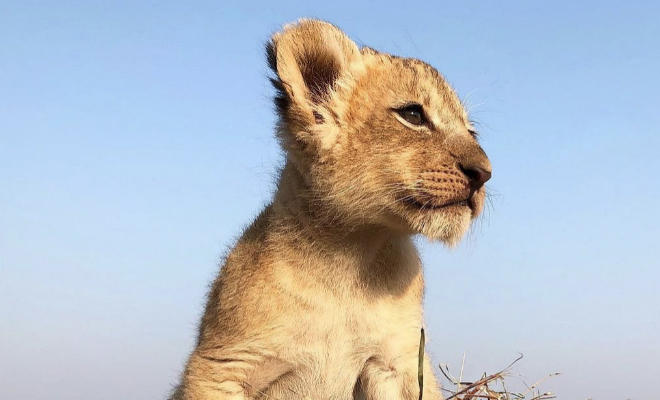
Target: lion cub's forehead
x,y
401,80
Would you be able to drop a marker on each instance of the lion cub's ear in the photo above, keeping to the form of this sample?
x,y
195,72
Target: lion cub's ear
x,y
309,57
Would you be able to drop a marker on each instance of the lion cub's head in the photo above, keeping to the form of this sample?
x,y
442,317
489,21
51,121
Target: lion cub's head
x,y
378,139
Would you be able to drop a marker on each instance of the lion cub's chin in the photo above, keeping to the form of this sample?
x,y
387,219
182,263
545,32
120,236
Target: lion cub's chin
x,y
448,226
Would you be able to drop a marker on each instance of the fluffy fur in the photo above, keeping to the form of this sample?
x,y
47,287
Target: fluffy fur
x,y
321,298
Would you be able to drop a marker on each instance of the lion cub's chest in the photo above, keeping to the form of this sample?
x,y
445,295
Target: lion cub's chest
x,y
331,342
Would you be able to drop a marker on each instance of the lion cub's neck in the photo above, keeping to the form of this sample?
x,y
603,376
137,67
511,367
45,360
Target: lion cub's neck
x,y
320,245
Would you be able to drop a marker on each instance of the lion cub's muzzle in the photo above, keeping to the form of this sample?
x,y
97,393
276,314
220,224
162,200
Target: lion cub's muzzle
x,y
449,186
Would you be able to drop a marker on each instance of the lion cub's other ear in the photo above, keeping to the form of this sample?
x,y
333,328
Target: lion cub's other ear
x,y
308,58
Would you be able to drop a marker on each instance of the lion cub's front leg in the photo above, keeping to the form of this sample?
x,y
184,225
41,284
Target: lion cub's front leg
x,y
207,378
382,380
235,375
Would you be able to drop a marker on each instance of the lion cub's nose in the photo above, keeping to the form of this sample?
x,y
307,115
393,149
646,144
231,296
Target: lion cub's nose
x,y
476,175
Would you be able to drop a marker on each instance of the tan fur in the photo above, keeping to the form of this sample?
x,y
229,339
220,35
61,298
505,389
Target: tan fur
x,y
321,298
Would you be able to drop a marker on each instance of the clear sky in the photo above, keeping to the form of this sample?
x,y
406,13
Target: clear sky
x,y
136,141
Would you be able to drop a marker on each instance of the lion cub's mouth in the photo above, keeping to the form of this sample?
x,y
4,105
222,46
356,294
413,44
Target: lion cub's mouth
x,y
427,205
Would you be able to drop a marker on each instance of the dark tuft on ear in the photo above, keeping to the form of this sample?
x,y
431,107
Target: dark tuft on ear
x,y
271,56
281,99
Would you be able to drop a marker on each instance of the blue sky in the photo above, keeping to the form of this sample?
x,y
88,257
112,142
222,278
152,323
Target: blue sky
x,y
136,141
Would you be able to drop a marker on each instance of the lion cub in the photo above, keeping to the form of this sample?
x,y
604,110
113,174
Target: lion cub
x,y
321,298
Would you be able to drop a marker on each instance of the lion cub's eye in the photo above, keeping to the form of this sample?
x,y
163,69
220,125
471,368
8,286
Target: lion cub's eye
x,y
413,114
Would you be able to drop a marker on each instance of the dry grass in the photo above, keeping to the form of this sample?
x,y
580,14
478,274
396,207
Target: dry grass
x,y
493,386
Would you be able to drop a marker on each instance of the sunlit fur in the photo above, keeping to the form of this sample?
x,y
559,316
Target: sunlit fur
x,y
321,297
